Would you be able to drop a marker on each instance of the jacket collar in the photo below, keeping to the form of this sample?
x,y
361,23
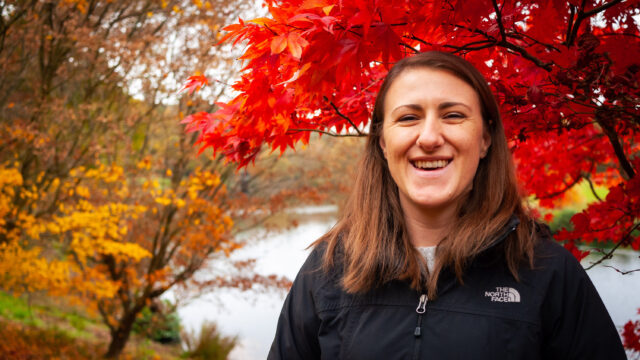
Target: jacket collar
x,y
510,227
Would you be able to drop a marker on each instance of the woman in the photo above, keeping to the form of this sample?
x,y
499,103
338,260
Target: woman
x,y
435,256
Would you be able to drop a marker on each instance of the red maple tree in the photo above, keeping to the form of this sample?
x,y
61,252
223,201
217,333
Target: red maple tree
x,y
566,74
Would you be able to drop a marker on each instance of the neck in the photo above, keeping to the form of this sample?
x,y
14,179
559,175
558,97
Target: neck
x,y
427,228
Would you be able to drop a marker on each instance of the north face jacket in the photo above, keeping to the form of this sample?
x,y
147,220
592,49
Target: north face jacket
x,y
553,312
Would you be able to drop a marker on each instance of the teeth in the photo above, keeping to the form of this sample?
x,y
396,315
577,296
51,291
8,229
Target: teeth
x,y
431,164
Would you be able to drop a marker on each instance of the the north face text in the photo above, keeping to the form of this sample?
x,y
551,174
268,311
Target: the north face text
x,y
503,294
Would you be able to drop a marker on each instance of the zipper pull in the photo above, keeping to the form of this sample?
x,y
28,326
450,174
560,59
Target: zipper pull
x,y
422,307
422,304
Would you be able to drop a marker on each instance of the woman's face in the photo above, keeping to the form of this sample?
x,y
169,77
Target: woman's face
x,y
433,139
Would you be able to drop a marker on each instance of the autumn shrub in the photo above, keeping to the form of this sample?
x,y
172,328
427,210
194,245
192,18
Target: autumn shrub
x,y
208,344
30,342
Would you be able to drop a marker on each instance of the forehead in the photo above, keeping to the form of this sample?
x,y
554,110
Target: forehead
x,y
420,85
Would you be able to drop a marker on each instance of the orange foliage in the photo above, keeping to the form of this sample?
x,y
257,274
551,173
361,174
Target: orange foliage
x,y
22,343
100,200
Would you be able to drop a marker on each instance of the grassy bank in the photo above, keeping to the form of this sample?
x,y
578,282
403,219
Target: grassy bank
x,y
38,328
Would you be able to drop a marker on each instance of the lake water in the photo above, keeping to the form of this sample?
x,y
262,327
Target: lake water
x,y
253,316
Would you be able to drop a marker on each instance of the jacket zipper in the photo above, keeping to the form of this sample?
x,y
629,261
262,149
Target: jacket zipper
x,y
421,309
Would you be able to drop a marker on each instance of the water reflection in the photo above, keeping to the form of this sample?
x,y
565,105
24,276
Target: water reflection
x,y
253,316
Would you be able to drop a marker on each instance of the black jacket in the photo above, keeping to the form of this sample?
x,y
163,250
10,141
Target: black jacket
x,y
553,312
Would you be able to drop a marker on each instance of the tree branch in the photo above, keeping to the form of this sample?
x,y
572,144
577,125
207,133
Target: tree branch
x,y
600,8
559,192
503,33
572,13
467,47
519,35
520,50
582,15
620,271
359,134
627,168
593,190
623,241
335,108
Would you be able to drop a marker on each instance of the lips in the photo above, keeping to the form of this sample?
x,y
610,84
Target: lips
x,y
430,164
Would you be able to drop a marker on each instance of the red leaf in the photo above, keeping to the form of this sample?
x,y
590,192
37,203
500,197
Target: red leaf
x,y
535,95
194,83
615,195
296,43
631,335
580,223
577,253
278,44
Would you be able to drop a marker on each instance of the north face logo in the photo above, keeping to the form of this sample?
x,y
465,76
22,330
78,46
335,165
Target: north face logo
x,y
503,294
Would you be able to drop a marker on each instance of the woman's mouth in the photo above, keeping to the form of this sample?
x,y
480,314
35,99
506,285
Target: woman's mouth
x,y
430,164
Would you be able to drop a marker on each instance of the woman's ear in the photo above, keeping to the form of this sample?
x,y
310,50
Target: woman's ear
x,y
383,146
486,143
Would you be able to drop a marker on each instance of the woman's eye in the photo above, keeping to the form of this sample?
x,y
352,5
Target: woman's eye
x,y
454,115
407,118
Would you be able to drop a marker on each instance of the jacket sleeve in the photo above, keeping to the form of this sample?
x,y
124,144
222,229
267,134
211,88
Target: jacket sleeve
x,y
576,324
297,330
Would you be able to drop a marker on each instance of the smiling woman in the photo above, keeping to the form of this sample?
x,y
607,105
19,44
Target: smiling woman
x,y
433,139
435,255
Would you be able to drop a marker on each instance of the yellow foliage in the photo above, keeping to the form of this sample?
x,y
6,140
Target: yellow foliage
x,y
163,201
144,163
83,191
108,218
24,270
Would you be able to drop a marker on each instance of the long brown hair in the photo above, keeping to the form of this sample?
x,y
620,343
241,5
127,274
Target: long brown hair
x,y
371,235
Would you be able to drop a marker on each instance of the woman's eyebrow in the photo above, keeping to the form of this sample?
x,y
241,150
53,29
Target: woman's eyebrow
x,y
415,107
449,104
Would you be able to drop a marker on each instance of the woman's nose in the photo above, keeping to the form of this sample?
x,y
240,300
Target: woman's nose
x,y
430,136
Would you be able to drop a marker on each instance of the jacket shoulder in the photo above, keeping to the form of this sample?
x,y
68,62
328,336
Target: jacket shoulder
x,y
549,252
318,280
576,324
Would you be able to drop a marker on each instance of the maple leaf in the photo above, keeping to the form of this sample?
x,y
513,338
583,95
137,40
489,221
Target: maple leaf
x,y
581,222
631,335
194,83
198,121
278,44
296,43
577,253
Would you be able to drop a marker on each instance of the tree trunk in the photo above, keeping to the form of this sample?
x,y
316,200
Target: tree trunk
x,y
120,335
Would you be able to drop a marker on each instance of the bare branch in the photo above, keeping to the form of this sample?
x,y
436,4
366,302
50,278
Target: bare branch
x,y
609,254
621,271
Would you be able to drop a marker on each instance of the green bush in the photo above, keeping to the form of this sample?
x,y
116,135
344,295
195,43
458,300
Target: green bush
x,y
208,344
160,323
562,219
